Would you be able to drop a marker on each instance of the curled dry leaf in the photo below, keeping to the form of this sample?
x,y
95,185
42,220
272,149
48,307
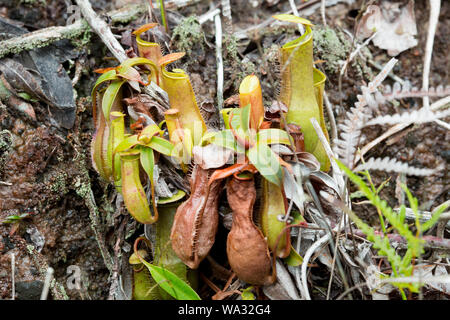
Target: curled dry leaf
x,y
396,26
143,103
211,156
247,250
196,220
273,112
297,135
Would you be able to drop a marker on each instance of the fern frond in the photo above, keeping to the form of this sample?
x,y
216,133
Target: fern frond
x,y
422,115
345,147
393,165
398,91
375,83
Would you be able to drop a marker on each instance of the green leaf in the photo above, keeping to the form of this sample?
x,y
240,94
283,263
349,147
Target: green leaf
x,y
173,285
297,217
435,217
270,136
245,118
107,76
207,137
247,294
124,66
161,145
225,138
292,18
110,75
109,96
148,132
266,162
294,259
226,117
402,213
127,143
357,194
148,161
235,118
176,197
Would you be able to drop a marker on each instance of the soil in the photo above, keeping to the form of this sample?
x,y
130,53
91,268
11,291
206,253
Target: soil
x,y
43,168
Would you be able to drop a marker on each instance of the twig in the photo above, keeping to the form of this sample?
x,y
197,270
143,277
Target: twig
x,y
327,227
334,261
241,34
41,38
219,59
208,16
58,291
44,37
354,53
301,28
357,286
298,279
440,103
330,113
435,6
47,282
337,173
305,262
226,11
94,214
442,124
13,273
322,12
394,129
78,69
390,75
373,143
101,28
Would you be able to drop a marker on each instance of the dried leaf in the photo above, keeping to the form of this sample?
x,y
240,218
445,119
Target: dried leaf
x,y
211,156
396,28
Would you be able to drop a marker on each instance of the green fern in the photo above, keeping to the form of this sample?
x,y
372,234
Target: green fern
x,y
401,266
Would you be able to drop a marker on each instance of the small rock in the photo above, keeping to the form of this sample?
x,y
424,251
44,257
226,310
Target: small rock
x,y
29,290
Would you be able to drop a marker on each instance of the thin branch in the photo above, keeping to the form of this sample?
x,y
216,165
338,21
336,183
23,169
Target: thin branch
x,y
337,173
322,12
435,6
13,276
309,253
44,37
330,113
219,59
101,28
301,28
47,282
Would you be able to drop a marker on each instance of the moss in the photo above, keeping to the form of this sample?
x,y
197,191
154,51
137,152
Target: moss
x,y
30,249
5,147
235,70
82,189
331,47
33,2
334,47
59,184
189,36
4,92
13,46
83,40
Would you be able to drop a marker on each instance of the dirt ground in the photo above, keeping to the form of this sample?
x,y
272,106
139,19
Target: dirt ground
x,y
46,170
